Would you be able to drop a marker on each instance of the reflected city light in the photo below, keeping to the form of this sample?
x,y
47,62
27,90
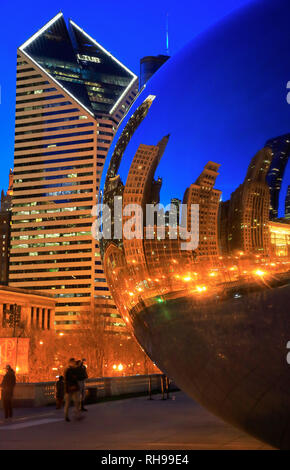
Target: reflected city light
x,y
203,281
259,272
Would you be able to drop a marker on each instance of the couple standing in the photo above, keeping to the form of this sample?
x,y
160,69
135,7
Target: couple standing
x,y
74,387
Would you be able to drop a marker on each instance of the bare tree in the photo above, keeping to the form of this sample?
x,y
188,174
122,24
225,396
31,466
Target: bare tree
x,y
93,341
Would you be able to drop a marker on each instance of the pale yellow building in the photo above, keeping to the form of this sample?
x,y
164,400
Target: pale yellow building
x,y
35,309
279,238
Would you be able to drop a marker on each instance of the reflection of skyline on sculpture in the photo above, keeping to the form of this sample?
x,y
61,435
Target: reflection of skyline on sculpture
x,y
240,110
214,317
230,232
241,252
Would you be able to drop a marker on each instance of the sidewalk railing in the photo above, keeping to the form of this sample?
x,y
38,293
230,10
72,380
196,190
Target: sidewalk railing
x,y
43,393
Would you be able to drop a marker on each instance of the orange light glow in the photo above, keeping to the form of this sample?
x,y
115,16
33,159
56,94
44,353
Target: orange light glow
x,y
201,288
259,272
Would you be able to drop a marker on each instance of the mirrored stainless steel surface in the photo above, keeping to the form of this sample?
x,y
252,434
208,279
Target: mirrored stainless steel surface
x,y
207,129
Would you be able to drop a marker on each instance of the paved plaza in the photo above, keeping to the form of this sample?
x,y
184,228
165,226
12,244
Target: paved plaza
x,y
135,423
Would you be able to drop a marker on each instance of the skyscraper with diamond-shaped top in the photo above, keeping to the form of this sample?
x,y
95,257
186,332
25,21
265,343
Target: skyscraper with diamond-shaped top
x,y
71,93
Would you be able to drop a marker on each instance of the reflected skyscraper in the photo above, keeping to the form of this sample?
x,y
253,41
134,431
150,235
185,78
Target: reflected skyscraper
x,y
71,93
280,147
140,189
246,215
174,209
287,204
219,327
202,192
149,66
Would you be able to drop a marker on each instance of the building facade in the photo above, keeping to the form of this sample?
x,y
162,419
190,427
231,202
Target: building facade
x,y
287,203
70,96
280,147
5,229
203,193
36,309
140,189
245,219
173,213
279,238
149,65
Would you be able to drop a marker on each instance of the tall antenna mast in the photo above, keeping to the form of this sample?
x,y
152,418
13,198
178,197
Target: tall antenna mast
x,y
167,34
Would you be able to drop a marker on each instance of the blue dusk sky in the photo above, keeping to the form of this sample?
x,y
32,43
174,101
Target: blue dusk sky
x,y
128,29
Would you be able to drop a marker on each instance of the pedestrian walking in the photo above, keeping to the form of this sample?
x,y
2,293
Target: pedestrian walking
x,y
83,375
8,384
72,389
59,392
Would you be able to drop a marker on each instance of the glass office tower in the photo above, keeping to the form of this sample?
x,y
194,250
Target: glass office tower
x,y
280,147
70,96
149,66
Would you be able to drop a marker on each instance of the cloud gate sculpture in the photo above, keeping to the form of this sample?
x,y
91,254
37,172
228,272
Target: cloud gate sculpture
x,y
195,262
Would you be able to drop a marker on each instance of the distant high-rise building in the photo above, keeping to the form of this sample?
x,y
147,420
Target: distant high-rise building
x,y
223,228
202,192
139,190
70,96
5,228
245,218
149,65
174,211
287,204
280,147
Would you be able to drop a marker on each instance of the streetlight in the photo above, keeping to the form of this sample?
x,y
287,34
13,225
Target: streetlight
x,y
14,317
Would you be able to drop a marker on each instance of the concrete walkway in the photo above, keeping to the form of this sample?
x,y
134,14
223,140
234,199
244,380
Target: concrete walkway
x,y
135,423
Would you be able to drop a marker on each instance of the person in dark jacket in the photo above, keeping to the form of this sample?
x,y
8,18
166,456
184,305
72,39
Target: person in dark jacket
x,y
8,384
71,388
59,392
83,375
